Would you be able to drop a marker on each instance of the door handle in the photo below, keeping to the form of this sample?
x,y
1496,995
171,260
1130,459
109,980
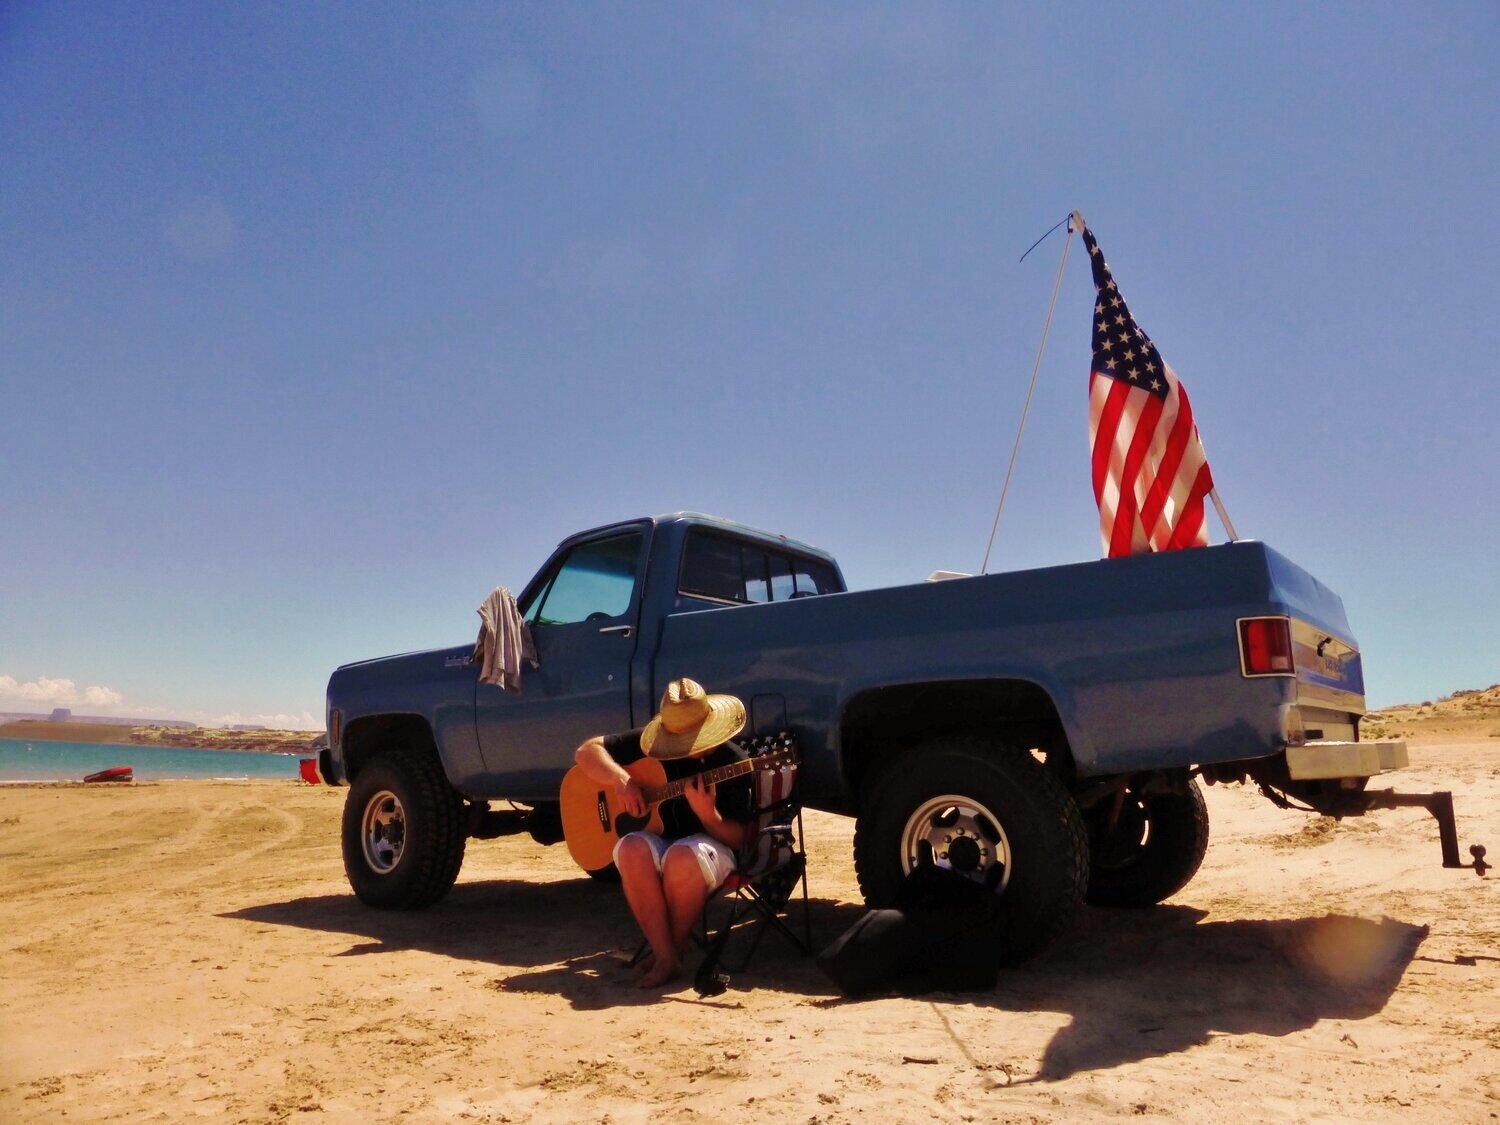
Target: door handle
x,y
623,630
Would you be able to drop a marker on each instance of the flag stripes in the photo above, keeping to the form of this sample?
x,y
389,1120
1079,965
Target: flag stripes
x,y
1150,471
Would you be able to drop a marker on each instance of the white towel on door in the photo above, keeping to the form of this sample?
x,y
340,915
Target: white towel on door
x,y
504,641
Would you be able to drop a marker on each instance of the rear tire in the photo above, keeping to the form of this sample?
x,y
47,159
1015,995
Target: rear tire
x,y
1153,851
993,814
403,832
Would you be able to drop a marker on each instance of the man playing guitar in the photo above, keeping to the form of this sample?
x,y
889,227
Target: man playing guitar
x,y
667,878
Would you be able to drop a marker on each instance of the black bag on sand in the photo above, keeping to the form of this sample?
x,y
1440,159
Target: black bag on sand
x,y
869,954
944,935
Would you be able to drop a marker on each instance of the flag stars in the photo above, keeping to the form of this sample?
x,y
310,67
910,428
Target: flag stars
x,y
1151,367
1099,308
1134,373
1119,318
1114,302
1106,344
1156,384
1130,354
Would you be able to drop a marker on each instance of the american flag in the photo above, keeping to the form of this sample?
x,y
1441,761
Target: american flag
x,y
1150,471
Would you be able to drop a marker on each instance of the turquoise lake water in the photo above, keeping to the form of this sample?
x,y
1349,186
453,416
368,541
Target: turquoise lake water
x,y
69,761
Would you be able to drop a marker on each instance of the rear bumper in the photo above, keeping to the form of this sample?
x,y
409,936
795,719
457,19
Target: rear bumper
x,y
1320,761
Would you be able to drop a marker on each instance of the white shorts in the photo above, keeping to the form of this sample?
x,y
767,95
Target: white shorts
x,y
715,860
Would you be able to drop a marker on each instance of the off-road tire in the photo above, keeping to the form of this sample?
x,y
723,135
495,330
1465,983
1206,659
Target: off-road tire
x,y
409,787
1153,852
1044,846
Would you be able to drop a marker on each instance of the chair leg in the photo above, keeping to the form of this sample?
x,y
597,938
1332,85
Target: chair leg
x,y
769,917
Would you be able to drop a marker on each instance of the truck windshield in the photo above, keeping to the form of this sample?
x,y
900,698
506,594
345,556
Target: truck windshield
x,y
595,581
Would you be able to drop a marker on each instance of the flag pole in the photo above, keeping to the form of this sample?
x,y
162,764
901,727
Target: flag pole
x,y
1075,224
1213,494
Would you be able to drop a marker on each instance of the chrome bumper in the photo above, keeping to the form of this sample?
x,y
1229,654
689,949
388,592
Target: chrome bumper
x,y
1318,761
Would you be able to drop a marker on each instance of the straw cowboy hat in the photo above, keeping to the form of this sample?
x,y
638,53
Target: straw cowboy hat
x,y
690,721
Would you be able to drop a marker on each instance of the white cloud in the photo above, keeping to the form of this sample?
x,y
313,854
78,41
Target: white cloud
x,y
47,691
281,720
865,74
627,269
506,96
202,229
623,270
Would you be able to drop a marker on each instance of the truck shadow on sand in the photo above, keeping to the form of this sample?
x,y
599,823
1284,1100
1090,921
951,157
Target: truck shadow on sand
x,y
1134,984
569,937
1142,984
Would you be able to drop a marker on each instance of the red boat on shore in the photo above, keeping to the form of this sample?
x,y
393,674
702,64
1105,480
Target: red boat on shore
x,y
114,773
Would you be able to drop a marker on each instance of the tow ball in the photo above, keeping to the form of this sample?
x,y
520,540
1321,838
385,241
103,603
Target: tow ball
x,y
1440,805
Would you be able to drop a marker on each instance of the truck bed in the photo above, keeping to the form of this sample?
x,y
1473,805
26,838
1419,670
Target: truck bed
x,y
1138,654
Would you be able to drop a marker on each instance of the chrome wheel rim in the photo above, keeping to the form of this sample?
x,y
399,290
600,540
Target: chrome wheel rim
x,y
961,835
383,832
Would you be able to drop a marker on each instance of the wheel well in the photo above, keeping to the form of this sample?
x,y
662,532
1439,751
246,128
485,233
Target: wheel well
x,y
880,724
367,737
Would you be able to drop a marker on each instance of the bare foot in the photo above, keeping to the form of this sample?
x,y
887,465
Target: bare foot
x,y
659,974
643,966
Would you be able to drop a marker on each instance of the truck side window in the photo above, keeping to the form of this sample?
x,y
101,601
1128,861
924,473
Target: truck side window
x,y
596,581
756,566
711,568
781,578
727,570
814,578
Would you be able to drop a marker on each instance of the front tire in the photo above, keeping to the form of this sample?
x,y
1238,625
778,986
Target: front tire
x,y
1151,851
990,813
403,832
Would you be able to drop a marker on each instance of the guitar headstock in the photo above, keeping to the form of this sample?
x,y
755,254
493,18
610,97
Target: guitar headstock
x,y
773,751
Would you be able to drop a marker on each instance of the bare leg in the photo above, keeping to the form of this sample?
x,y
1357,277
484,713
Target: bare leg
x,y
643,891
686,893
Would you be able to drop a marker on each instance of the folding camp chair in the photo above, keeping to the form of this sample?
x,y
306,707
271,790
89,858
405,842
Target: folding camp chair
x,y
772,865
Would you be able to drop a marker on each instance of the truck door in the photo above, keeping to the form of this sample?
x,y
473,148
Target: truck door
x,y
583,621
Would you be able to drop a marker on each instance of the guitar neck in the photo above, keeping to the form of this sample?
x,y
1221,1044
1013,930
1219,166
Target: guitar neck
x,y
657,794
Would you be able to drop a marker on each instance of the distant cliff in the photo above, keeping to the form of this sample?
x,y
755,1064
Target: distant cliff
x,y
204,738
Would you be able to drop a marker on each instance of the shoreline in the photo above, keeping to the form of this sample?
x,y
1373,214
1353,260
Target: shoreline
x,y
177,738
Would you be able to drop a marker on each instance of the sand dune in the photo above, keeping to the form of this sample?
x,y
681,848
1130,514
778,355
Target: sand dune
x,y
191,949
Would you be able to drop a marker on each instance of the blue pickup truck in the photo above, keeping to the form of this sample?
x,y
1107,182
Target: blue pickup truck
x,y
1041,732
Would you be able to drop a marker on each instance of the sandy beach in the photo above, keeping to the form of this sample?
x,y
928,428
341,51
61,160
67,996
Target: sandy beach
x,y
191,949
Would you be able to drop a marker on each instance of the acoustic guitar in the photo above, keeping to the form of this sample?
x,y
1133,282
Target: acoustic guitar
x,y
593,819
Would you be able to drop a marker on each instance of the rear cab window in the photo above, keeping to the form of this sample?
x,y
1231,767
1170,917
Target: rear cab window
x,y
720,569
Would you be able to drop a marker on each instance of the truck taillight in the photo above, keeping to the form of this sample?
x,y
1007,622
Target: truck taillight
x,y
1266,646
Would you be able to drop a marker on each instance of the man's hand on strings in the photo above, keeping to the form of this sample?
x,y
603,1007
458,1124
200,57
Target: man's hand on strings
x,y
700,797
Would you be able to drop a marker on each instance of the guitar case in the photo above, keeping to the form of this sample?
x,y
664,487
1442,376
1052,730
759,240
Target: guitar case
x,y
942,935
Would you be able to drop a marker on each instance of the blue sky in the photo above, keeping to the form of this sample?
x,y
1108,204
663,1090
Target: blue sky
x,y
318,321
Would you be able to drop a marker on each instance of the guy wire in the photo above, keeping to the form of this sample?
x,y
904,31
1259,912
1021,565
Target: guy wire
x,y
984,567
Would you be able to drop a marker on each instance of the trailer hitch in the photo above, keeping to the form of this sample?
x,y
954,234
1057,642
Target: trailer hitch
x,y
1440,805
